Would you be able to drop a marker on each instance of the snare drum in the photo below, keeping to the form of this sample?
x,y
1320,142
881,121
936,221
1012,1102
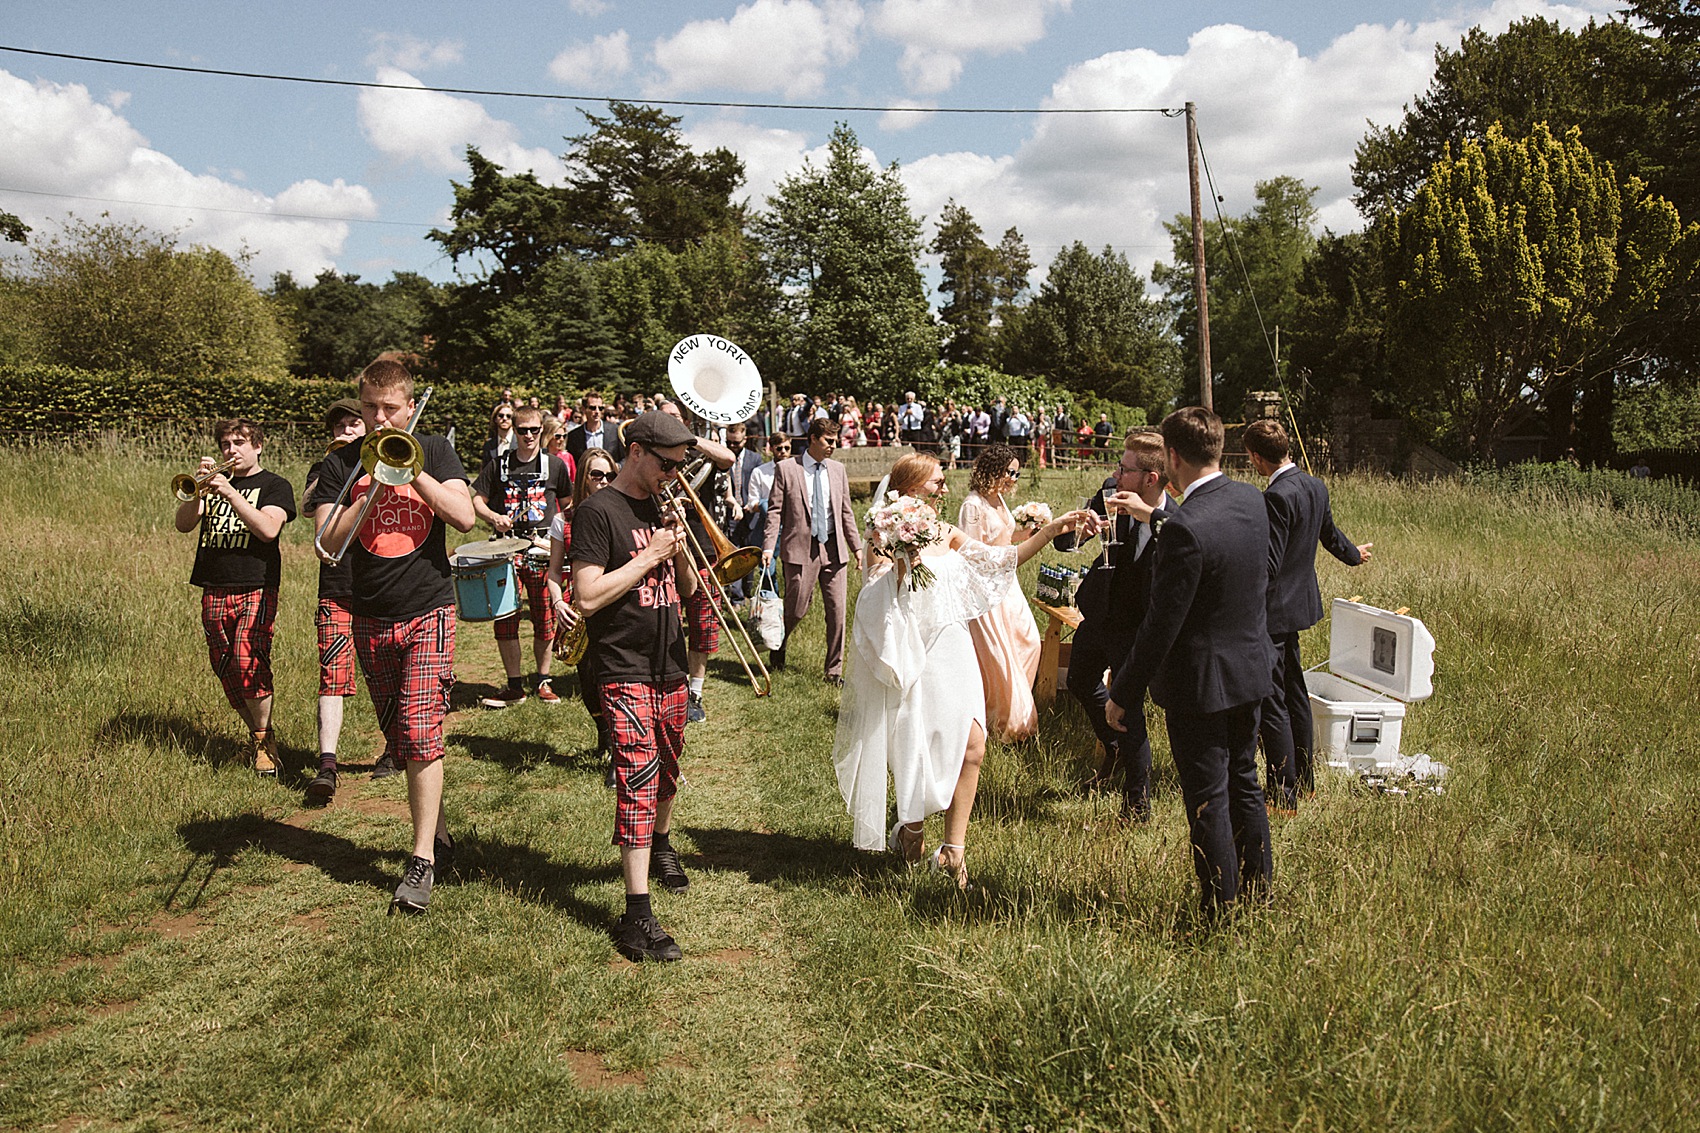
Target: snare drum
x,y
485,589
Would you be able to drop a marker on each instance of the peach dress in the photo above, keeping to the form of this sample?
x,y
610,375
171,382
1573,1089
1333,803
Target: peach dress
x,y
1006,638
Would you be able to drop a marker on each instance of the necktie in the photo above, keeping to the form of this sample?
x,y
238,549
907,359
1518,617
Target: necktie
x,y
820,522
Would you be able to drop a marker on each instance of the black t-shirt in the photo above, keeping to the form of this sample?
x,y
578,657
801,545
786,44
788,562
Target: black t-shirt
x,y
228,556
523,491
400,558
334,581
638,636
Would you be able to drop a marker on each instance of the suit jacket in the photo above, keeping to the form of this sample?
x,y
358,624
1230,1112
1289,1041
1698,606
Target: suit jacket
x,y
1300,519
1204,645
788,512
610,440
1115,594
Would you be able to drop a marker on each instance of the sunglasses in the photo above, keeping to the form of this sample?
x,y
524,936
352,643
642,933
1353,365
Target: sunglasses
x,y
504,416
1013,473
528,430
596,474
668,465
830,442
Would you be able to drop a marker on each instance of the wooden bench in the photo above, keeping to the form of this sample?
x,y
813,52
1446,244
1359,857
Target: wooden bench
x,y
866,465
1053,653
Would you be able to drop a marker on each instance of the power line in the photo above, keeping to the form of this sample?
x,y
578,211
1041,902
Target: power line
x,y
603,98
214,208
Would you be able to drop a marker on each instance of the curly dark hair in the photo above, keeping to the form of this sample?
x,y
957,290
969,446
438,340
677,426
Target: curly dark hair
x,y
992,466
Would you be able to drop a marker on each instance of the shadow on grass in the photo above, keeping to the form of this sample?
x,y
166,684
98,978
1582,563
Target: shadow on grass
x,y
216,843
533,876
511,754
768,857
171,730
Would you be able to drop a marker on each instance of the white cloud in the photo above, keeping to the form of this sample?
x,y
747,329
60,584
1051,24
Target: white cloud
x,y
434,129
938,35
603,58
768,45
1264,109
768,154
72,154
410,53
896,121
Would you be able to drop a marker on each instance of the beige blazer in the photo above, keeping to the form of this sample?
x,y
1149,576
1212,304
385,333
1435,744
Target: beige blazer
x,y
788,511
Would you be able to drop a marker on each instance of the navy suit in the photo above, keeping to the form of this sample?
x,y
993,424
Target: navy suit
x,y
1299,520
1112,602
1203,650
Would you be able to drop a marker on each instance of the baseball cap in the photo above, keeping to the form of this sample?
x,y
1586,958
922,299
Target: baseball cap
x,y
340,406
656,429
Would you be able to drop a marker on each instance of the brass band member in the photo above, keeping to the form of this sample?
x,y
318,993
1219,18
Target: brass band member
x,y
334,621
404,617
237,567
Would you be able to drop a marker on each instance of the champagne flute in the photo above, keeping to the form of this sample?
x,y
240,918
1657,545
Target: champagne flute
x,y
1110,539
1080,540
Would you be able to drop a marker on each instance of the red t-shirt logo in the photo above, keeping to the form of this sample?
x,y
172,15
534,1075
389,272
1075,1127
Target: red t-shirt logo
x,y
399,522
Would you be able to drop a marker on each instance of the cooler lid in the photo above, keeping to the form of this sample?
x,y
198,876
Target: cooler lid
x,y
1390,653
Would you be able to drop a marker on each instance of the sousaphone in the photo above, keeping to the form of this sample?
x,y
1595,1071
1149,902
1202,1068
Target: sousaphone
x,y
714,379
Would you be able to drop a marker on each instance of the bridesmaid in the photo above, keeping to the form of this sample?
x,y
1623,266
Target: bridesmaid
x,y
1006,638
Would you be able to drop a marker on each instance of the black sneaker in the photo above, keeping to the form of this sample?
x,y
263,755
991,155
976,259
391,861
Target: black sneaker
x,y
641,938
664,867
695,713
444,848
385,767
414,892
323,787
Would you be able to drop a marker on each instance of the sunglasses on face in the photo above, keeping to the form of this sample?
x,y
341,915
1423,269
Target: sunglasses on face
x,y
1013,473
528,430
668,465
596,474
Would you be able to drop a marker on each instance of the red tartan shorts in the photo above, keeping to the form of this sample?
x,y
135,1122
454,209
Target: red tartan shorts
x,y
335,623
647,724
702,628
537,599
410,671
238,625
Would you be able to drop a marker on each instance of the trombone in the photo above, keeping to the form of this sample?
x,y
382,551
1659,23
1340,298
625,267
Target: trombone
x,y
391,457
188,485
728,565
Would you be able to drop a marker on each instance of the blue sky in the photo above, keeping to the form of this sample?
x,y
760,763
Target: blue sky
x,y
1282,88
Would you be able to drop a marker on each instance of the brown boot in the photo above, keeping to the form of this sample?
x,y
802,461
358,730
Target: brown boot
x,y
265,753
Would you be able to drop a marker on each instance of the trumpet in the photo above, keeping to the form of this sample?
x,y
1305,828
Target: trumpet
x,y
729,564
188,485
391,457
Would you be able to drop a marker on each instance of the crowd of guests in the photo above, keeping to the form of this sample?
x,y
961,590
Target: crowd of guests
x,y
1046,435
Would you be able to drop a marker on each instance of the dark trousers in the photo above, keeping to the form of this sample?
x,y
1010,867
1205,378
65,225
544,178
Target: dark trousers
x,y
1286,727
1130,749
1216,758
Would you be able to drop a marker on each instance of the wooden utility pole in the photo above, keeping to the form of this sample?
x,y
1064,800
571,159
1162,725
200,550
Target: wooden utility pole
x,y
1198,288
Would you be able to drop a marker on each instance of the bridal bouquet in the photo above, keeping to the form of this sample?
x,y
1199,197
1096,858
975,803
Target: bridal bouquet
x,y
901,527
1032,515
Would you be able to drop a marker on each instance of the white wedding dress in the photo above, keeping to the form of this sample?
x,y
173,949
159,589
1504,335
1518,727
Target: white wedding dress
x,y
912,690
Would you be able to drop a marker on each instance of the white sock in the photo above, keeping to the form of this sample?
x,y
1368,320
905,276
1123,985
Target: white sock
x,y
696,686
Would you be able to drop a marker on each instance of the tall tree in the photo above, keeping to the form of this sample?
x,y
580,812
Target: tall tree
x,y
341,324
1517,277
1611,81
1338,326
633,180
13,229
1253,267
1091,329
110,295
841,239
983,283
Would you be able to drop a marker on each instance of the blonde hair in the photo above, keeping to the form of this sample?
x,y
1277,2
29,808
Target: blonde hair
x,y
911,473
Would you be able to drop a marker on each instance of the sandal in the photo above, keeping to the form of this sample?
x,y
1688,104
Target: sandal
x,y
910,852
958,872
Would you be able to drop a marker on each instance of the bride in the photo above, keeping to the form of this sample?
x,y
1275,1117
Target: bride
x,y
913,705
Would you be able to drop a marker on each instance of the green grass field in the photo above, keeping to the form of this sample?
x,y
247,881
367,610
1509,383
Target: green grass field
x,y
186,947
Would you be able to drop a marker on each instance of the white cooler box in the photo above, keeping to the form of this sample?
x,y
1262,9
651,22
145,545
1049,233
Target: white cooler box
x,y
1378,662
